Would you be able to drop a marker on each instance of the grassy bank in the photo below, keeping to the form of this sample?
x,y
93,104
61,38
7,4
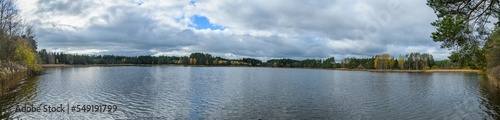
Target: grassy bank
x,y
11,74
493,80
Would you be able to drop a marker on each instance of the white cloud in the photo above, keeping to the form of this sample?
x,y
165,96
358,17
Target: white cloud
x,y
78,51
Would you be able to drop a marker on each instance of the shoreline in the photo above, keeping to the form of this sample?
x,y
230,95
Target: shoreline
x,y
342,69
430,71
87,65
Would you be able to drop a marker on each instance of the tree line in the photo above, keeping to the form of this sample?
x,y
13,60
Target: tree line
x,y
192,59
411,61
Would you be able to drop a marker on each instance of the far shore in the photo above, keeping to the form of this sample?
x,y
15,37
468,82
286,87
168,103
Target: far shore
x,y
66,65
343,69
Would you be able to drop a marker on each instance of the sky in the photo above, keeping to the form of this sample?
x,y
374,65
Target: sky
x,y
262,29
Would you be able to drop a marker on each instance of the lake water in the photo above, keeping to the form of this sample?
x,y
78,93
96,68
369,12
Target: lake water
x,y
176,92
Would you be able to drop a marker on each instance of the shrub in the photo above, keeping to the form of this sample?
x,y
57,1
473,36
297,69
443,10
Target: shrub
x,y
466,67
435,67
360,66
26,56
427,68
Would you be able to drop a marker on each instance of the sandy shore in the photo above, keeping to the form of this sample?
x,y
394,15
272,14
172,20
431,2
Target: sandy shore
x,y
53,65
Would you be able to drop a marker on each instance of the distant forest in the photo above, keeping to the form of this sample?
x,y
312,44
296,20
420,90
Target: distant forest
x,y
412,61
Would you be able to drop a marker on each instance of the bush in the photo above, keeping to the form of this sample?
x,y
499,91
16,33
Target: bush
x,y
435,67
360,66
466,67
26,56
427,68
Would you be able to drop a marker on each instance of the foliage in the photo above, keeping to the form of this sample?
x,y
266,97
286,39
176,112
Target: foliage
x,y
412,61
417,61
252,61
462,26
427,68
401,62
25,55
17,39
445,64
329,62
461,22
492,51
353,63
193,59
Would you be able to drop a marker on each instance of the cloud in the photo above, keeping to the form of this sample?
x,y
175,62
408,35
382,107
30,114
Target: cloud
x,y
235,28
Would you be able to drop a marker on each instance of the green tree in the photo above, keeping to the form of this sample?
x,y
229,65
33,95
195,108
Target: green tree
x,y
493,53
328,63
462,26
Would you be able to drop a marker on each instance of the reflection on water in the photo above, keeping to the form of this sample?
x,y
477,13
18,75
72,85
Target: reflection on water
x,y
169,92
490,97
24,93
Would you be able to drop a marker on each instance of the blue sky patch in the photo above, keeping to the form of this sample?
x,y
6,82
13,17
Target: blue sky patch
x,y
202,22
192,3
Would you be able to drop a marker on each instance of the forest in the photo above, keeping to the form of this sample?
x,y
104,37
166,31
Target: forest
x,y
412,61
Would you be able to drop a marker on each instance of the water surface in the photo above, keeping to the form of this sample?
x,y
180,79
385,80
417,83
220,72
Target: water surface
x,y
174,92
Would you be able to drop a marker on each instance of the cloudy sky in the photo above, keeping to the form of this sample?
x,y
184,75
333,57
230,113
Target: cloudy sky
x,y
261,29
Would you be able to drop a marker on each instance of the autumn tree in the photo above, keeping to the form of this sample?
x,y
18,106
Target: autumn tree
x,y
26,56
17,39
401,62
385,60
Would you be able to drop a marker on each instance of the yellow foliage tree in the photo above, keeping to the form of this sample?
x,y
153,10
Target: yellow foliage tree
x,y
123,60
391,62
401,62
25,55
385,61
375,62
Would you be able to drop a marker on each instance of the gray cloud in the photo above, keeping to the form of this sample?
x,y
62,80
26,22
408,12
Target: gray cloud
x,y
57,7
261,28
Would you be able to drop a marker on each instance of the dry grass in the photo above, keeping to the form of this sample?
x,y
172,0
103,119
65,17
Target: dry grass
x,y
53,65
